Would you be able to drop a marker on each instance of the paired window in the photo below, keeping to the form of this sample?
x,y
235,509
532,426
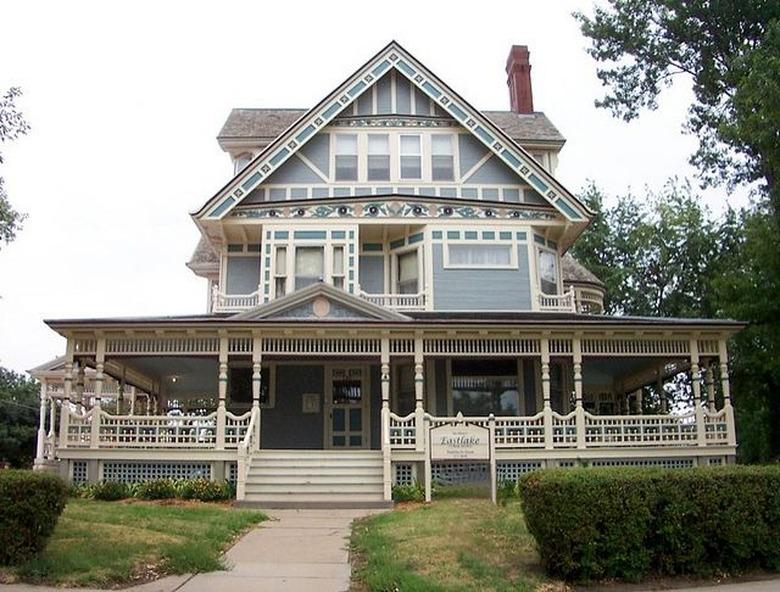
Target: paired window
x,y
479,255
309,266
548,271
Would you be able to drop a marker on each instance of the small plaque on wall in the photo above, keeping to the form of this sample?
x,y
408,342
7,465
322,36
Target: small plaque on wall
x,y
311,402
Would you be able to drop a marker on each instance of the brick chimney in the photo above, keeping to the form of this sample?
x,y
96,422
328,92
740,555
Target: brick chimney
x,y
518,69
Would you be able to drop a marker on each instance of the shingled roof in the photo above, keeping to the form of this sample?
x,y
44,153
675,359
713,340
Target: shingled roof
x,y
575,272
265,125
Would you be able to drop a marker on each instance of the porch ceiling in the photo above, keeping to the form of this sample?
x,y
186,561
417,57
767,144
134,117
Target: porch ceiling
x,y
194,376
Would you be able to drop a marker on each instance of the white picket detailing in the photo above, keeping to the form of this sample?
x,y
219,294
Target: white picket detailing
x,y
222,302
558,302
397,301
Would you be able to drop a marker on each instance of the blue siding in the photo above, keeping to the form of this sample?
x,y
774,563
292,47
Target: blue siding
x,y
493,171
317,150
372,274
243,274
286,426
481,289
471,150
383,95
403,95
294,171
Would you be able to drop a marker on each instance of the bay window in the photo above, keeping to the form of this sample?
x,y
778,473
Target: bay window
x,y
378,157
408,273
309,266
548,271
442,158
411,157
346,157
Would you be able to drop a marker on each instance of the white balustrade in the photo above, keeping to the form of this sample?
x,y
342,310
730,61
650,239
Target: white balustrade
x,y
564,430
235,428
716,428
397,301
246,446
221,302
403,432
152,431
558,302
520,432
640,430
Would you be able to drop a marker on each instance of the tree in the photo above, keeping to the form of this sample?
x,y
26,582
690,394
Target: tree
x,y
729,49
12,125
19,404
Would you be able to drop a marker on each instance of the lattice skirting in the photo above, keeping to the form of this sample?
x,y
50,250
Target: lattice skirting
x,y
78,471
459,473
666,463
231,472
403,474
133,472
512,471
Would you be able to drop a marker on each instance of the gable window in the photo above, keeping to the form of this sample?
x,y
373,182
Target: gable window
x,y
408,273
479,255
378,157
309,266
280,272
346,157
338,267
442,158
548,271
411,157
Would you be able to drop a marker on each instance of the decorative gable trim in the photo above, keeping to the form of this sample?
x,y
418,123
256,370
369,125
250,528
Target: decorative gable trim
x,y
393,56
291,302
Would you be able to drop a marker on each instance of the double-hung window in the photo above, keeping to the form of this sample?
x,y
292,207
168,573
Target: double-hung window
x,y
346,157
408,273
442,158
411,157
309,266
280,272
337,273
548,271
378,157
479,255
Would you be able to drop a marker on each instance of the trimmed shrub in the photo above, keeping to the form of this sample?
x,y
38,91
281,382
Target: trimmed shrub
x,y
156,489
410,492
30,504
109,491
629,523
204,490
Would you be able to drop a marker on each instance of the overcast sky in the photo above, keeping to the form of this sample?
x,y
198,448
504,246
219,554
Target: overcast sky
x,y
125,101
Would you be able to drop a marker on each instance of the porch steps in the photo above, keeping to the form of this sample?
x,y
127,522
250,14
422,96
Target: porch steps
x,y
315,478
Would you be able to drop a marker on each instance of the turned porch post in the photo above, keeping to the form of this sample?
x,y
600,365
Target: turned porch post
x,y
661,389
579,410
709,385
100,358
79,390
723,356
52,416
544,346
132,400
39,446
419,381
257,378
701,436
67,385
384,372
223,378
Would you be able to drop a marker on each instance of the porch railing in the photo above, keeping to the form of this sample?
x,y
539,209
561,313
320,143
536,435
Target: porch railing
x,y
397,301
221,302
575,430
565,302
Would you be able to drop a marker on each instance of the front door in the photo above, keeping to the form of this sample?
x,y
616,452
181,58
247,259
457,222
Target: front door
x,y
346,408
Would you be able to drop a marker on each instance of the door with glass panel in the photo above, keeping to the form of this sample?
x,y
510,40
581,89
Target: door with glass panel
x,y
346,412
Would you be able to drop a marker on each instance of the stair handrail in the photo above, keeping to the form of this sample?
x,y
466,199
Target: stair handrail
x,y
243,464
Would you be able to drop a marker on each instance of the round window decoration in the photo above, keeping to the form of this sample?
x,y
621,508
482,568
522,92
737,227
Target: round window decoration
x,y
321,307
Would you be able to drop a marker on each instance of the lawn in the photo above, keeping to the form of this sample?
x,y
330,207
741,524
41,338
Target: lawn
x,y
452,544
108,543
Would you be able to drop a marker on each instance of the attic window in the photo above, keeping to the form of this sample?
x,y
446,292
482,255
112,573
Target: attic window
x,y
442,158
241,162
346,157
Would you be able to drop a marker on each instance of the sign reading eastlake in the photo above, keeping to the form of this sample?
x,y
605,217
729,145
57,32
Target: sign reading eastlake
x,y
460,442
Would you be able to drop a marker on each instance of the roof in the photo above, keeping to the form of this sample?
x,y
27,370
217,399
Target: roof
x,y
575,272
266,124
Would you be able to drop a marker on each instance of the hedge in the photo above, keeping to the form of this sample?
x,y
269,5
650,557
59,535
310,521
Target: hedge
x,y
30,504
630,523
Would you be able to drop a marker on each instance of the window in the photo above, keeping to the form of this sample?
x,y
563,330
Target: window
x,y
407,273
442,158
411,157
280,272
346,157
482,387
241,162
476,255
338,267
378,157
309,266
548,271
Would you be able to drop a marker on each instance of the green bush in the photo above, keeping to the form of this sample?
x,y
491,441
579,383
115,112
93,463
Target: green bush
x,y
156,489
30,504
629,523
410,492
109,491
204,490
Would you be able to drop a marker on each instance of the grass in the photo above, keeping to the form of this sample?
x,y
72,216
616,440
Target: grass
x,y
109,543
451,545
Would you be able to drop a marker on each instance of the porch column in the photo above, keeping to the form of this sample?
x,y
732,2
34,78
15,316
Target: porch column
x,y
661,389
701,436
120,393
223,377
148,403
257,379
419,381
384,373
52,415
544,346
41,425
579,410
80,379
723,356
67,385
100,358
709,385
132,400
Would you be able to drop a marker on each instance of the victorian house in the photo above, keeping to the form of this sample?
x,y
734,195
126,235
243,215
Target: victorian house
x,y
390,260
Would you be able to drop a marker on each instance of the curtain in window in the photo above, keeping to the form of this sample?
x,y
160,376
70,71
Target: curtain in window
x,y
480,255
548,272
309,266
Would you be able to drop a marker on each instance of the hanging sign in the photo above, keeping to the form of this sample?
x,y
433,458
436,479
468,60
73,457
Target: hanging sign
x,y
460,442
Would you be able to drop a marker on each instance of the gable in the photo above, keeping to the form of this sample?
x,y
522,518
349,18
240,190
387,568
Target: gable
x,y
394,58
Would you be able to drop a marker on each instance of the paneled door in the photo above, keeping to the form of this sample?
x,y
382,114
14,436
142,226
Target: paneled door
x,y
346,408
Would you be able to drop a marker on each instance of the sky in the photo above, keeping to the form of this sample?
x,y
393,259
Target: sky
x,y
125,100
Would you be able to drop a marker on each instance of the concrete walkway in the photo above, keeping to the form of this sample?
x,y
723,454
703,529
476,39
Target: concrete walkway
x,y
295,550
